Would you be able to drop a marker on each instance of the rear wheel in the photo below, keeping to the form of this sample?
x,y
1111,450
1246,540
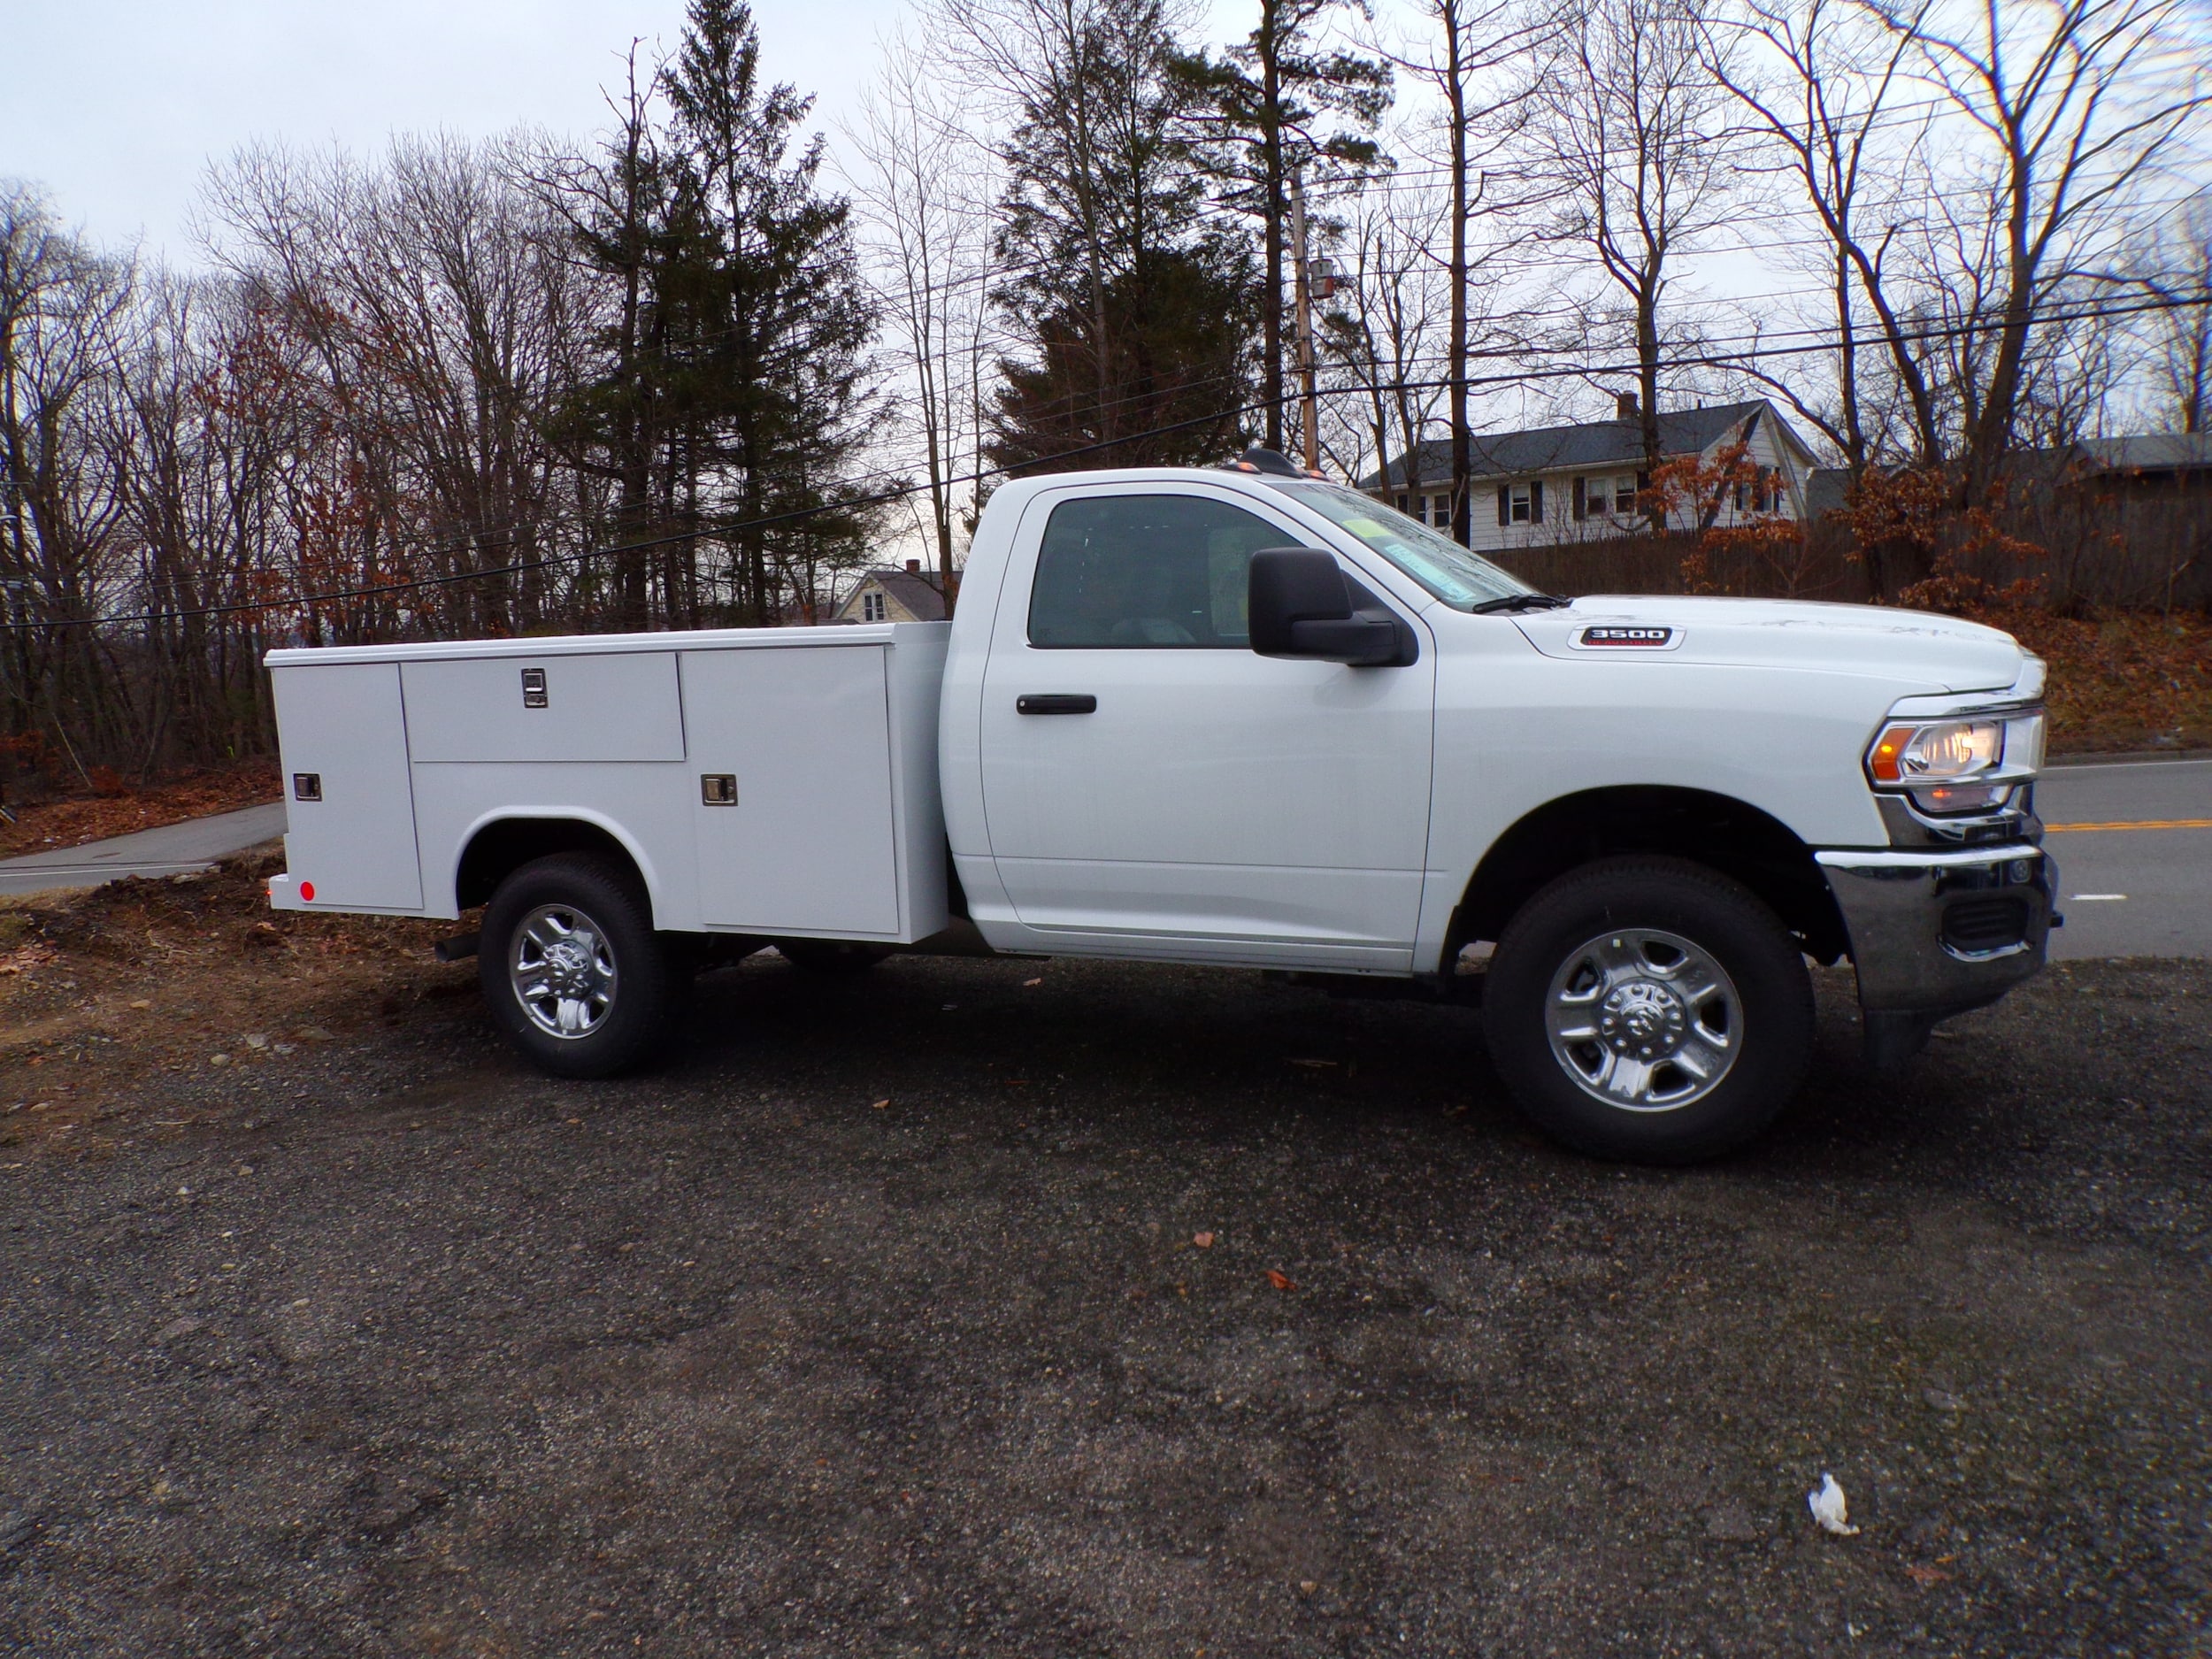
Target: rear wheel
x,y
571,969
1649,1009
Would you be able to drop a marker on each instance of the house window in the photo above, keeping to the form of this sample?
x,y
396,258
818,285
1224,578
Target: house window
x,y
1521,504
1625,496
872,607
1404,504
1761,493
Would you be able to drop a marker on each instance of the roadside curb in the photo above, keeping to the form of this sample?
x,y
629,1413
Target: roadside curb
x,y
2124,756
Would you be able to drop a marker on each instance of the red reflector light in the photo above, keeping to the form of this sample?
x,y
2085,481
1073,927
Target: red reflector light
x,y
307,892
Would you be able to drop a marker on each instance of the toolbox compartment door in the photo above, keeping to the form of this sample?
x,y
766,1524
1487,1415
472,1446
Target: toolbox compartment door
x,y
562,706
806,845
343,724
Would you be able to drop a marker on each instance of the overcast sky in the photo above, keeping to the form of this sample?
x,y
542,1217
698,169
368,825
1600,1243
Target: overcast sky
x,y
115,106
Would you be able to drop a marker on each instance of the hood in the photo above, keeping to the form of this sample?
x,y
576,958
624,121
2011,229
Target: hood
x,y
1943,653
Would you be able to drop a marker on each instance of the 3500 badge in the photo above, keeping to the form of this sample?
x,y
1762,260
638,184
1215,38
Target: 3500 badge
x,y
1649,639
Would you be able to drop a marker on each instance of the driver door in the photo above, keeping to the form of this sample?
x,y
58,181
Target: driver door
x,y
1168,793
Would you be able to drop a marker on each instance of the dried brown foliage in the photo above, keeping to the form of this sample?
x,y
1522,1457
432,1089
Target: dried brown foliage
x,y
111,807
1756,540
2124,681
1908,520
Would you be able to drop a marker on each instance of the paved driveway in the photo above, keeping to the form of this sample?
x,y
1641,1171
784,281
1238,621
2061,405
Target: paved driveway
x,y
174,850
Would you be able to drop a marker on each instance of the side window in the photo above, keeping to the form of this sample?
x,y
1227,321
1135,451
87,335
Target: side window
x,y
1145,570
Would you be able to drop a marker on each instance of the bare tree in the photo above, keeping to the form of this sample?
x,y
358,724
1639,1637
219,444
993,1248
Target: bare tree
x,y
1820,81
1632,131
927,183
2076,105
63,315
2180,335
1381,338
1033,61
1465,55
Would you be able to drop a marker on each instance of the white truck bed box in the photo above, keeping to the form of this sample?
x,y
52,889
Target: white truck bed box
x,y
837,830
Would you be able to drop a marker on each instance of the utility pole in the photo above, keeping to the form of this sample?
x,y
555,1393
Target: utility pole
x,y
1308,396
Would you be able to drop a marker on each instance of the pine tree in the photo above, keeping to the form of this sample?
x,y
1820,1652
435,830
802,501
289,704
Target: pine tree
x,y
1277,103
774,320
1137,313
737,382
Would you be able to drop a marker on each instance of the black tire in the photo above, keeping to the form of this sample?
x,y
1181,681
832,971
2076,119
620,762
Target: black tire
x,y
645,990
834,958
1753,1030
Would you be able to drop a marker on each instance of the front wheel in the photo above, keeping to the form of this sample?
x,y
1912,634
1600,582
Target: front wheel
x,y
571,969
1649,1009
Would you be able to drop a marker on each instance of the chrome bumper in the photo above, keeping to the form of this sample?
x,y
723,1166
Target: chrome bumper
x,y
1935,933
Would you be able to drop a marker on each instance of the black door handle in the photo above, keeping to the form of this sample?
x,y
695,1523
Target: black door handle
x,y
1056,702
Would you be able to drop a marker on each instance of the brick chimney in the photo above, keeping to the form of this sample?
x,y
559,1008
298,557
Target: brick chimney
x,y
1625,407
913,567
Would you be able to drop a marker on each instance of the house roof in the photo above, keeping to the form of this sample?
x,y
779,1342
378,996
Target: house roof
x,y
918,590
2151,452
1594,444
1828,489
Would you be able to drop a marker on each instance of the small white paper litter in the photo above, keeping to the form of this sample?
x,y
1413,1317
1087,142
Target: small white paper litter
x,y
1827,1506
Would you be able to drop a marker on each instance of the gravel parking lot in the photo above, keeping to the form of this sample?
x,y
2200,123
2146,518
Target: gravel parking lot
x,y
1004,1307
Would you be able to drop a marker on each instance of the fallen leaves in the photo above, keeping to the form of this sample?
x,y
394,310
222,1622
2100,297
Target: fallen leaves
x,y
1203,1240
885,1101
25,958
2124,682
1922,1575
1030,985
84,816
1280,1280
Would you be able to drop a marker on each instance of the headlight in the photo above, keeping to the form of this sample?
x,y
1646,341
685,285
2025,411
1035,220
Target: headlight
x,y
1960,765
1938,751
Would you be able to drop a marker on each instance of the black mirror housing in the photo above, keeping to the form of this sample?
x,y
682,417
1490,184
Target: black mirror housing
x,y
1299,603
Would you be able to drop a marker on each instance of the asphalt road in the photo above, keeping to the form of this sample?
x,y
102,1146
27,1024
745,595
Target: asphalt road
x,y
2140,884
174,850
1054,1310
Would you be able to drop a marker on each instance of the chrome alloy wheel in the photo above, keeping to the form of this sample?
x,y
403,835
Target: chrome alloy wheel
x,y
1644,1020
562,970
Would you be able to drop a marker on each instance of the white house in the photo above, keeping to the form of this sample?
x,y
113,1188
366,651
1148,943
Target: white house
x,y
912,594
1580,483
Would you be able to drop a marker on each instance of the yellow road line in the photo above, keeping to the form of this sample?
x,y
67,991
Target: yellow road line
x,y
2140,824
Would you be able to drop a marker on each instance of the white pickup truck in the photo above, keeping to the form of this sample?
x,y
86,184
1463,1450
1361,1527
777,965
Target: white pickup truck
x,y
1240,717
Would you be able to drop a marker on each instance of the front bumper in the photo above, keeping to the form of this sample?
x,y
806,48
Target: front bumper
x,y
1937,933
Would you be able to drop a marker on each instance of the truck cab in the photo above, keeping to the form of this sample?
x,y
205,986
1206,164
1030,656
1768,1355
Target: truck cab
x,y
1245,717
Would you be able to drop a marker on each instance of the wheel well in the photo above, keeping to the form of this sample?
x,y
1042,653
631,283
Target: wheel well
x,y
501,847
1716,830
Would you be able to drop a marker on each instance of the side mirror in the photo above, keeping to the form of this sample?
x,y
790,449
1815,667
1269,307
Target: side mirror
x,y
1299,603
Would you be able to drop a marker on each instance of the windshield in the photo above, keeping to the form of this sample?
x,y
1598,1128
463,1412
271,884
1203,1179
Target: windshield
x,y
1460,579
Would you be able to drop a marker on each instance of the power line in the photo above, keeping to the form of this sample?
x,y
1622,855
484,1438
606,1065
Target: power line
x,y
1703,359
